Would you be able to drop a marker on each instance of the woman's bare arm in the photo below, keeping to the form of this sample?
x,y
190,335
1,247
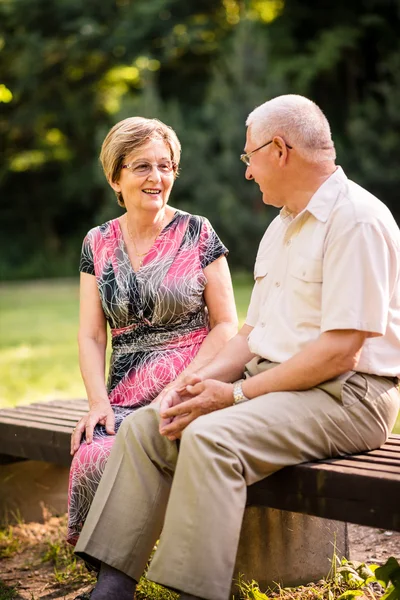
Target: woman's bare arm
x,y
92,340
220,302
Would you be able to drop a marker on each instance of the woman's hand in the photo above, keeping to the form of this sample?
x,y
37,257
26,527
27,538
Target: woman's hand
x,y
100,413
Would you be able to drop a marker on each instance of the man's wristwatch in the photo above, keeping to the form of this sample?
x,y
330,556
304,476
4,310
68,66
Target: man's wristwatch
x,y
238,395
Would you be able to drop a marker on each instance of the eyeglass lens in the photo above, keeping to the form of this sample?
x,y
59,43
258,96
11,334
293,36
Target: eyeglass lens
x,y
144,168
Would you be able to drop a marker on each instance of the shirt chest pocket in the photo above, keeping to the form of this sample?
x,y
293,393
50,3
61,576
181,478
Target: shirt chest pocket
x,y
305,269
305,283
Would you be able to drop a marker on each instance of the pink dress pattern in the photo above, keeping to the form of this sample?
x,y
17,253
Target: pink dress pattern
x,y
158,320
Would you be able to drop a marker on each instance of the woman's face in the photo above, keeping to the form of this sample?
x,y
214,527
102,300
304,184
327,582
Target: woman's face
x,y
147,181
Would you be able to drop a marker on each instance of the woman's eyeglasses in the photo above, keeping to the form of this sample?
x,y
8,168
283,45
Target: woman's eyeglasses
x,y
142,167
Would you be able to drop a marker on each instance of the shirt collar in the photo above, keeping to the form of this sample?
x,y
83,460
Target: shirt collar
x,y
324,199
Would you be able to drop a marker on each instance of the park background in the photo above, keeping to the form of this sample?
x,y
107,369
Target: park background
x,y
71,69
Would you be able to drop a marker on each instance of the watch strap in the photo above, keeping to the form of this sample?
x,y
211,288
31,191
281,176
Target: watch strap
x,y
238,395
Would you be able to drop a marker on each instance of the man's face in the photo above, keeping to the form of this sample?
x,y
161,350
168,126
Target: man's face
x,y
264,169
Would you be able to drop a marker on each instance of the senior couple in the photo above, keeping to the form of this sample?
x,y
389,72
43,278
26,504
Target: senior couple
x,y
311,374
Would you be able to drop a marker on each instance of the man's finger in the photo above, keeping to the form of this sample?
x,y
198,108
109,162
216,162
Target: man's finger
x,y
164,423
196,388
175,428
178,409
193,379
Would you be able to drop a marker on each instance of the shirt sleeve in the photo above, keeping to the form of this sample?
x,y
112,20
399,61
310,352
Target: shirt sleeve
x,y
359,274
210,246
86,264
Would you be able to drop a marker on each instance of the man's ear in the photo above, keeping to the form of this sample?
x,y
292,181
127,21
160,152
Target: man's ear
x,y
280,145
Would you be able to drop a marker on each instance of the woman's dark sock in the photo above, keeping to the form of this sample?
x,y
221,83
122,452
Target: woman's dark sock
x,y
113,584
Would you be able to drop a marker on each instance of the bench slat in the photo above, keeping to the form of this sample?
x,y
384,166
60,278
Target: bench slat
x,y
56,413
370,462
387,452
46,409
31,425
25,417
350,467
80,402
394,440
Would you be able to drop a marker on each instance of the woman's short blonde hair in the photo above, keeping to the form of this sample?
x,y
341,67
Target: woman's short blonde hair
x,y
130,135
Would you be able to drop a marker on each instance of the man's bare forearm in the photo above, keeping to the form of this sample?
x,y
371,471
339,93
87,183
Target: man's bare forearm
x,y
228,365
332,354
215,341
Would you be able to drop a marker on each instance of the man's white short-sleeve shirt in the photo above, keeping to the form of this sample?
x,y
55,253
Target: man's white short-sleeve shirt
x,y
336,265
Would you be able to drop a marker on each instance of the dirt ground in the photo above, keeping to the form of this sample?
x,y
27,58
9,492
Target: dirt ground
x,y
35,578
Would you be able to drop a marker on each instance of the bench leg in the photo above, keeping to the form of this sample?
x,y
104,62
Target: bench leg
x,y
27,488
287,548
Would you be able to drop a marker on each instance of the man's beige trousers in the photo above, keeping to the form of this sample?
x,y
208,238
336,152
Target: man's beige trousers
x,y
197,496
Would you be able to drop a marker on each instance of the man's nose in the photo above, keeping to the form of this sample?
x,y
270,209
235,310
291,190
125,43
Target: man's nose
x,y
248,173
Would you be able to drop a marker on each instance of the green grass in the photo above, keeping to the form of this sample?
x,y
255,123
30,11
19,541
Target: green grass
x,y
7,592
38,347
347,580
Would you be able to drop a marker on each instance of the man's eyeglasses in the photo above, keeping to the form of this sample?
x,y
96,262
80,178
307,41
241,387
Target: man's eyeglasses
x,y
246,157
142,167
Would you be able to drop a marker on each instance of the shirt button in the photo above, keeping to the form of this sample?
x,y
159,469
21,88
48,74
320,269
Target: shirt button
x,y
288,242
262,323
277,284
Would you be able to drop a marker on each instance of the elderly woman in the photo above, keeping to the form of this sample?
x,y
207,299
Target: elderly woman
x,y
159,277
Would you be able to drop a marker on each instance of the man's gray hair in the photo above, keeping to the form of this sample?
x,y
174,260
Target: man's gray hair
x,y
299,121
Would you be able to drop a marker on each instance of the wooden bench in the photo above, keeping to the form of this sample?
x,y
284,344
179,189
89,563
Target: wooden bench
x,y
39,431
281,540
362,489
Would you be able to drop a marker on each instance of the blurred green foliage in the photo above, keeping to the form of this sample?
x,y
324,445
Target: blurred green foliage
x,y
69,70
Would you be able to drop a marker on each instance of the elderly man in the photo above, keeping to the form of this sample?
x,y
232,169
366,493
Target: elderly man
x,y
320,354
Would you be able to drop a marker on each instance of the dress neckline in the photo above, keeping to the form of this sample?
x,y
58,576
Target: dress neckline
x,y
120,236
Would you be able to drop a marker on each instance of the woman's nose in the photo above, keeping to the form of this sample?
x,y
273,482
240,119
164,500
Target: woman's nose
x,y
154,174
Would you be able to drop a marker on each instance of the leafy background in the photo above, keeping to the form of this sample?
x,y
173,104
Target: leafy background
x,y
69,70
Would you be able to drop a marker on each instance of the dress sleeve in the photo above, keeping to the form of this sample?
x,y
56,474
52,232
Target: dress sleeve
x,y
210,246
86,264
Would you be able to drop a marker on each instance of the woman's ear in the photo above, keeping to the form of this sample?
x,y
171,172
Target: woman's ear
x,y
115,185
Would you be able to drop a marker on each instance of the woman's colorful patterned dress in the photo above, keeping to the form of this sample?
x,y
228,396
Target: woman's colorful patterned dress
x,y
158,320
